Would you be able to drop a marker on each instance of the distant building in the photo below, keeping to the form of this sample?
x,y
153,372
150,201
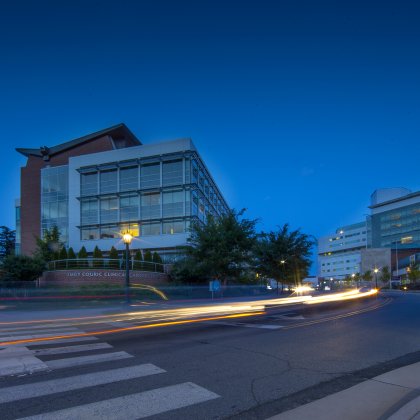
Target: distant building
x,y
395,219
339,254
97,186
390,234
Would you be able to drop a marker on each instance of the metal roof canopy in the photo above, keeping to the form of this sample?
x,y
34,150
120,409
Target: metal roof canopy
x,y
119,131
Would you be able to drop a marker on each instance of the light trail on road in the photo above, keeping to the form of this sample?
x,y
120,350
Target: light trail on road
x,y
124,329
148,318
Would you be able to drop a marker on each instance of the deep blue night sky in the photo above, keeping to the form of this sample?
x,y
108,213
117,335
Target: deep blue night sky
x,y
299,108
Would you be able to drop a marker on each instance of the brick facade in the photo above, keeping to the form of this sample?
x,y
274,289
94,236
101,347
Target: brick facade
x,y
71,278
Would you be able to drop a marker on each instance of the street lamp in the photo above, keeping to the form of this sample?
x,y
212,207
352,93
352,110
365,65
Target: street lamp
x,y
282,262
127,238
375,270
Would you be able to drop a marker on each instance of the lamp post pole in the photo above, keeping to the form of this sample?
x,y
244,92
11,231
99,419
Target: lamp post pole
x,y
282,262
376,277
127,238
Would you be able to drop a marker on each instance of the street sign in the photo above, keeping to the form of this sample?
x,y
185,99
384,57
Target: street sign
x,y
214,285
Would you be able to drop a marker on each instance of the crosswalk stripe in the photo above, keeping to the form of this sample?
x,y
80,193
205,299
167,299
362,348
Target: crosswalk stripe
x,y
28,337
57,341
72,349
135,406
39,389
18,360
36,327
87,360
29,333
39,327
243,324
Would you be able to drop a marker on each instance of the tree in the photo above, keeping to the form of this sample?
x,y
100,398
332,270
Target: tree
x,y
22,268
158,262
82,254
63,254
113,255
219,249
7,242
97,256
148,258
71,256
138,260
156,258
413,274
367,276
48,248
284,255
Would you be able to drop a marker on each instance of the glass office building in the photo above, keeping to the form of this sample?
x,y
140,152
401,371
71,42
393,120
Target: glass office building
x,y
97,186
148,196
395,222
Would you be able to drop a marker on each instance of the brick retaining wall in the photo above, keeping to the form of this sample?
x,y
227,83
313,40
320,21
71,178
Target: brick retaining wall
x,y
66,278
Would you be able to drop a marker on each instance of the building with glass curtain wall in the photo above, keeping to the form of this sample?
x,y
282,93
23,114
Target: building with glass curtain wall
x,y
395,218
155,191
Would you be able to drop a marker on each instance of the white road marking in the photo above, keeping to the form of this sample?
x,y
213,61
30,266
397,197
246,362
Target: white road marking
x,y
243,324
36,327
71,349
87,360
17,360
30,336
285,317
39,389
57,341
28,333
135,406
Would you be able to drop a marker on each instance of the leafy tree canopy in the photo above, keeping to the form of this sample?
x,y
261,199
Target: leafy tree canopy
x,y
284,255
219,249
113,253
71,255
82,253
22,268
97,253
148,256
48,248
157,258
63,254
7,242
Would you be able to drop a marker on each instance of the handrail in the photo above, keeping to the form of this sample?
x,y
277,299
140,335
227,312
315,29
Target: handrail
x,y
104,263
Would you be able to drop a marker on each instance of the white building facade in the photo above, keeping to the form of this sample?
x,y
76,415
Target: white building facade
x,y
340,254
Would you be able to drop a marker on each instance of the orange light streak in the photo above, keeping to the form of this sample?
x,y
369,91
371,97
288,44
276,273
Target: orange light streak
x,y
137,327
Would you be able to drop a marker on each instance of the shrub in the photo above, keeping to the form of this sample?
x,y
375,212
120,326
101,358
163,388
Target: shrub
x,y
97,255
22,268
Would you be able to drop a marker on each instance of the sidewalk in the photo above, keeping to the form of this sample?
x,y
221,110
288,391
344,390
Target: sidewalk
x,y
393,395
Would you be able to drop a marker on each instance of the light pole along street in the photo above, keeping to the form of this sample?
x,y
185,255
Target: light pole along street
x,y
375,270
127,238
282,262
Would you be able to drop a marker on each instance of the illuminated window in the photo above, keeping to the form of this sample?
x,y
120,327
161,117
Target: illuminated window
x,y
132,228
407,240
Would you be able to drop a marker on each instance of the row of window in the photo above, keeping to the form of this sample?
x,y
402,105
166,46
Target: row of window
x,y
340,262
148,176
126,208
127,179
351,269
54,200
114,231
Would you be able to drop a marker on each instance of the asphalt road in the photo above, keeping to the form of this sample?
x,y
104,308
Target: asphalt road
x,y
244,369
